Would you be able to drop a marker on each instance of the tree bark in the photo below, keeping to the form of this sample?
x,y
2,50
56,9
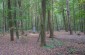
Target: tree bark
x,y
42,32
50,24
11,28
84,18
74,19
68,16
15,20
4,19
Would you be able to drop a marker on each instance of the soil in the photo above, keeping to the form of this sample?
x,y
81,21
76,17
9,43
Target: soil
x,y
62,44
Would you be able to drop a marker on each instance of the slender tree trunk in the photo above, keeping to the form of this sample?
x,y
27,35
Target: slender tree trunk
x,y
15,19
84,25
50,24
3,19
74,19
50,18
5,23
68,16
21,21
52,1
84,18
10,21
79,24
81,18
64,19
22,31
42,32
57,26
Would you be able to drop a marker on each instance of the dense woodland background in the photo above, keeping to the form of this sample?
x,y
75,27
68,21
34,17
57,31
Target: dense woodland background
x,y
42,27
18,16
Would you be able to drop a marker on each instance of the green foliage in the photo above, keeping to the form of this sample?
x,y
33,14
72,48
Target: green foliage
x,y
32,9
53,43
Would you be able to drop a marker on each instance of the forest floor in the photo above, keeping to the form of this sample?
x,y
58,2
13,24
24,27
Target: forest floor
x,y
62,44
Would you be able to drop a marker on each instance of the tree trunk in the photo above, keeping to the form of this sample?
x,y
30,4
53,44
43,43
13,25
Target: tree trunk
x,y
84,25
52,2
64,19
15,19
68,16
42,32
84,18
50,24
74,19
3,19
57,26
21,21
11,28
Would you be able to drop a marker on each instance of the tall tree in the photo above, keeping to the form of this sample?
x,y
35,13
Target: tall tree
x,y
11,28
50,23
4,18
15,19
42,32
20,15
64,18
84,16
74,19
68,16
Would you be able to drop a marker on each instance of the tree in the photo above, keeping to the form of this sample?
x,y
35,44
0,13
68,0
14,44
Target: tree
x,y
64,18
3,19
15,19
74,19
50,23
11,28
20,14
84,16
68,16
42,32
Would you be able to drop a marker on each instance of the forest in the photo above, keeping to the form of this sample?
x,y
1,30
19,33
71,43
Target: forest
x,y
42,27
